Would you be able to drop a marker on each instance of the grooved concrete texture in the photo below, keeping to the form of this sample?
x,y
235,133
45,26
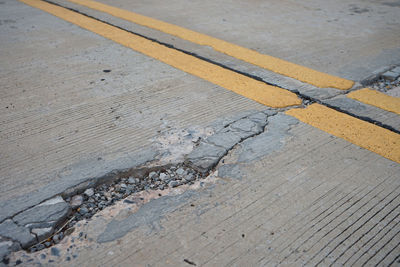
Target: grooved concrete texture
x,y
345,38
64,120
210,151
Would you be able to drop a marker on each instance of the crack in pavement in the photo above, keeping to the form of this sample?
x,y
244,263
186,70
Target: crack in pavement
x,y
240,128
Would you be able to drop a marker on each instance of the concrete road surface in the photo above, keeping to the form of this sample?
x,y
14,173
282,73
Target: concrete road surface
x,y
245,133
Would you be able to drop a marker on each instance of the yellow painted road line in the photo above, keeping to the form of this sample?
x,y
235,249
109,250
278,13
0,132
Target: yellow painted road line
x,y
274,64
243,85
377,99
358,132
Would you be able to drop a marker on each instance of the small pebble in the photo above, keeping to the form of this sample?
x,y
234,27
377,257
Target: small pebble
x,y
164,176
76,201
152,175
189,177
83,210
89,192
180,171
56,239
173,184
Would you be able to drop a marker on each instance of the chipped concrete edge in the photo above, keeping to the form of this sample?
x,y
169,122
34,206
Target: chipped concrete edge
x,y
375,75
75,182
211,150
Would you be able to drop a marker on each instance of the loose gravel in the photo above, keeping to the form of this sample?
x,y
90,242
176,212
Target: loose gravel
x,y
386,82
93,200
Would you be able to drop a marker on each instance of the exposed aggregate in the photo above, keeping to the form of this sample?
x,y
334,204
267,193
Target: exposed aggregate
x,y
93,200
387,80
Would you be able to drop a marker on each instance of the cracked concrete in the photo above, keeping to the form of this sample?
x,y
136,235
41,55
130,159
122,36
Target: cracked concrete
x,y
81,132
47,214
270,140
84,125
243,129
248,133
75,178
235,209
21,234
245,138
35,224
267,142
210,150
42,219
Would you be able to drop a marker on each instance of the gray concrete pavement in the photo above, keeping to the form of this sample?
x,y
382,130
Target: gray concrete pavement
x,y
349,39
78,109
308,198
62,123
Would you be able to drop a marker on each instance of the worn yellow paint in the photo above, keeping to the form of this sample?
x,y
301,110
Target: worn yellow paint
x,y
274,64
358,132
268,95
377,99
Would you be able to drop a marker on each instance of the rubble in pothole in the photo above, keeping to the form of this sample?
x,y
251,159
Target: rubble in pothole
x,y
48,223
88,232
388,80
93,200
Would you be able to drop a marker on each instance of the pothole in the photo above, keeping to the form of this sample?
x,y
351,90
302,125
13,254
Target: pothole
x,y
47,223
88,203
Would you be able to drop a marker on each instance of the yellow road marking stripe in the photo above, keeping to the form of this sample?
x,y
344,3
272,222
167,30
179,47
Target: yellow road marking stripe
x,y
377,99
243,85
358,132
274,64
